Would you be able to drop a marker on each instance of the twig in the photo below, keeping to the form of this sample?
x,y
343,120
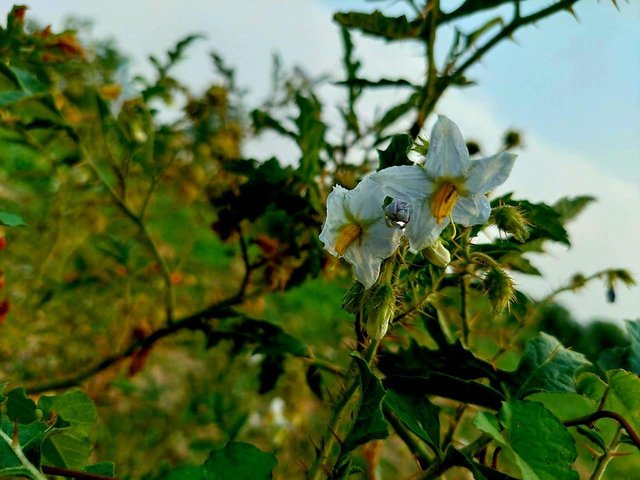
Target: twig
x,y
63,472
592,417
195,321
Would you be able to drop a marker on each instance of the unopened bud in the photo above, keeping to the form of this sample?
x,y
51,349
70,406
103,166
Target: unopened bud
x,y
437,254
499,287
352,300
577,281
379,308
510,219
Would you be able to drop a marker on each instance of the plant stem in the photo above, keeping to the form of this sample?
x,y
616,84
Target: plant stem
x,y
17,450
608,455
335,423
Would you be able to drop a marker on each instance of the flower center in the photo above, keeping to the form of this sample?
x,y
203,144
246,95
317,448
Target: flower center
x,y
443,200
347,236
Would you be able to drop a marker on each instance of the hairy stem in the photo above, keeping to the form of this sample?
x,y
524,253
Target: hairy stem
x,y
608,455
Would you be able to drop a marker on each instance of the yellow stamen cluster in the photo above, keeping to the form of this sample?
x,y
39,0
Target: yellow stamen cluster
x,y
443,200
349,234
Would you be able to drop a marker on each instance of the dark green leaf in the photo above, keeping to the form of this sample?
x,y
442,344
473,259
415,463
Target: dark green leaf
x,y
310,135
541,445
627,358
418,415
545,366
369,423
379,25
380,83
569,207
479,471
20,407
396,152
9,97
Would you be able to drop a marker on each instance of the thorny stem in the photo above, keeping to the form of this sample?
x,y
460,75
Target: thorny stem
x,y
608,455
464,309
320,463
592,417
17,450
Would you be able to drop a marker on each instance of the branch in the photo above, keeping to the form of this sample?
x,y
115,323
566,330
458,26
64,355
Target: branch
x,y
592,417
195,321
63,472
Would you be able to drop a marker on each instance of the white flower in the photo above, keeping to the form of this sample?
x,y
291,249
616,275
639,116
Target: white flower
x,y
356,229
448,185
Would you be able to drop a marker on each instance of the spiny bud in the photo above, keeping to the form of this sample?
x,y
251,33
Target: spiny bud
x,y
437,254
510,219
499,287
379,307
352,300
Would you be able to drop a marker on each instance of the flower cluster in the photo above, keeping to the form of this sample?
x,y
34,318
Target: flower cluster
x,y
365,229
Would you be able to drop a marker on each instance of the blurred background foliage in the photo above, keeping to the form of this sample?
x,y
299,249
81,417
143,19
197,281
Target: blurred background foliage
x,y
183,285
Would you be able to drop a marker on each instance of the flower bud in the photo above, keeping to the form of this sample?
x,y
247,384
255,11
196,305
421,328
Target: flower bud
x,y
437,254
499,287
510,219
379,308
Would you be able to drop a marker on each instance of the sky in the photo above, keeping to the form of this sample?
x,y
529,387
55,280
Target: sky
x,y
572,87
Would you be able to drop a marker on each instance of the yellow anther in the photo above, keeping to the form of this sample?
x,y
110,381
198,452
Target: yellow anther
x,y
349,234
443,200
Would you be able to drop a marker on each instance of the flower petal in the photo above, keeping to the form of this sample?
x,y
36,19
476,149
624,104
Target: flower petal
x,y
406,182
422,230
487,173
336,218
473,210
378,242
448,155
366,200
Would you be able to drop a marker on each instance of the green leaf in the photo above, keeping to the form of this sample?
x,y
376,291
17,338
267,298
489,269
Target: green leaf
x,y
29,436
379,25
20,407
235,461
418,415
11,219
369,423
395,112
623,396
380,83
69,447
396,152
545,366
569,207
542,447
479,471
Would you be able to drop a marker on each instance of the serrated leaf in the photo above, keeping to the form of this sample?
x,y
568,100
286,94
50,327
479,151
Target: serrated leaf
x,y
11,219
546,366
396,152
369,423
570,207
379,25
21,408
235,461
542,447
418,415
380,83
